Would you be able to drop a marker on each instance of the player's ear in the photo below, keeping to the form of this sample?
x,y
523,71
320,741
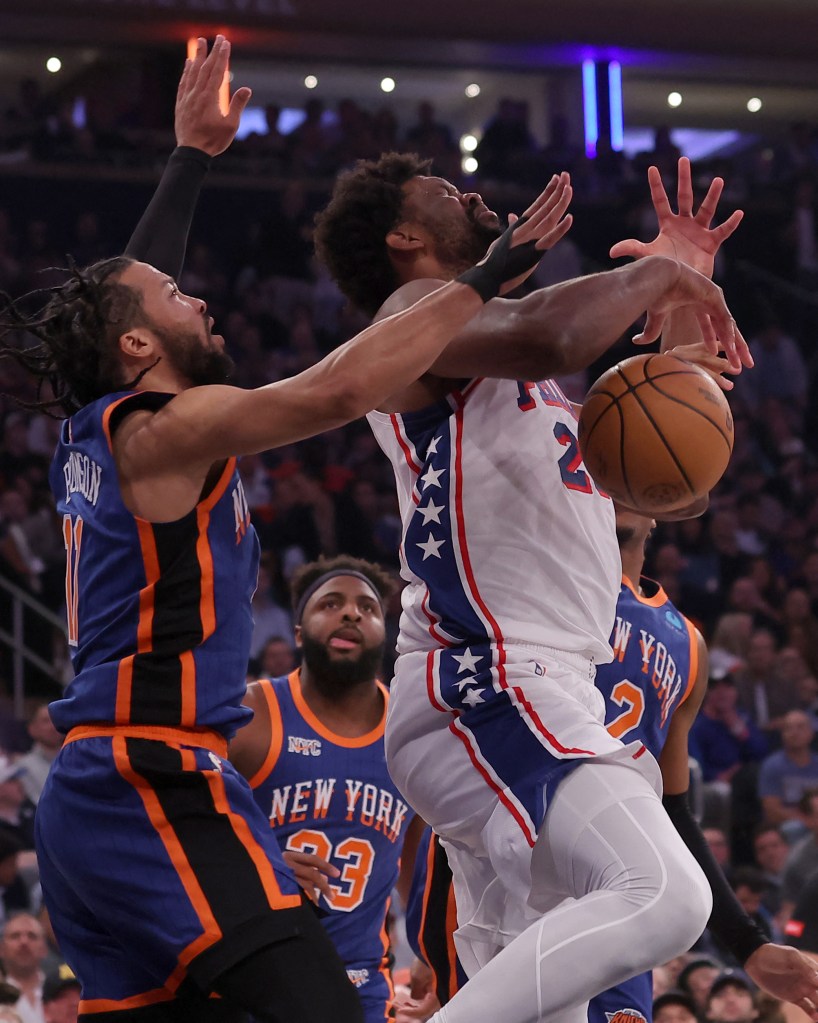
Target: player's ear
x,y
404,238
297,634
137,343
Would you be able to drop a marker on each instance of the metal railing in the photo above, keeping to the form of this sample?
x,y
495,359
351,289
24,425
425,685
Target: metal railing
x,y
20,651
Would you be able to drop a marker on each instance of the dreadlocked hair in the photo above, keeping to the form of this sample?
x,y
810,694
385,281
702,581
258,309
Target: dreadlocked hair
x,y
350,233
382,583
76,333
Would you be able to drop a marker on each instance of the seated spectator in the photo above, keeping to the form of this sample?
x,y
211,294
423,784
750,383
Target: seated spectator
x,y
61,997
277,658
728,647
785,775
723,738
36,764
803,859
674,1007
771,851
14,894
270,619
16,809
23,951
750,885
719,847
696,979
731,999
762,694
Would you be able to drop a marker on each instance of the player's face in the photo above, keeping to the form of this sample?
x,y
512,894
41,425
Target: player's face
x,y
182,326
460,225
342,632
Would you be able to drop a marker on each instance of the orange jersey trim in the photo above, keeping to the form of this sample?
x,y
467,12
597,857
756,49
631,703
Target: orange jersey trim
x,y
657,600
94,1005
202,738
427,891
694,659
317,725
276,734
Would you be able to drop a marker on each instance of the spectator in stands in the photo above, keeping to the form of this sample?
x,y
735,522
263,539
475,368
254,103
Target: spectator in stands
x,y
674,1007
731,1000
61,997
36,764
771,850
277,658
728,647
784,776
723,738
15,896
719,847
762,693
23,951
803,858
270,619
750,885
696,978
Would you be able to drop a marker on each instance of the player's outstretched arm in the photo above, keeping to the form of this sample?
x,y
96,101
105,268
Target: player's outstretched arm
x,y
786,973
203,425
202,132
566,327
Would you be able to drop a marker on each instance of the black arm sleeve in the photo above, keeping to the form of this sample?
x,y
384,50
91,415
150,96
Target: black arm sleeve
x,y
729,923
160,237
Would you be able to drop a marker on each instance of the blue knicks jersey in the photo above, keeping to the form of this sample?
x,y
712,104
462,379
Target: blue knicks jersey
x,y
655,660
332,796
159,618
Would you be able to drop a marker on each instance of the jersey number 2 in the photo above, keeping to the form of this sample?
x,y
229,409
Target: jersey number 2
x,y
72,535
357,856
626,694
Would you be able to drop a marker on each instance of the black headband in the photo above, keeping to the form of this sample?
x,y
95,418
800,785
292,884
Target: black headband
x,y
332,574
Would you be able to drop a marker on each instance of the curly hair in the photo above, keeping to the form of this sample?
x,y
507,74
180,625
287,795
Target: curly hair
x,y
350,233
76,333
382,583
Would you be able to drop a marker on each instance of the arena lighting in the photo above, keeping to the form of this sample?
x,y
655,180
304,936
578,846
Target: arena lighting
x,y
468,143
310,81
754,105
473,90
589,107
469,165
615,105
674,99
53,64
387,84
224,89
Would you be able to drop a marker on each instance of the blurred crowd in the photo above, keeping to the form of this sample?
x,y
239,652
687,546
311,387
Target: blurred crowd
x,y
746,572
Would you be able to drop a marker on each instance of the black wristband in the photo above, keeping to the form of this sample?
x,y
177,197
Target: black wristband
x,y
502,264
739,934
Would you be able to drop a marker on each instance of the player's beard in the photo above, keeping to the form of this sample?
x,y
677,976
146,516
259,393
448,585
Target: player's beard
x,y
334,677
196,357
459,246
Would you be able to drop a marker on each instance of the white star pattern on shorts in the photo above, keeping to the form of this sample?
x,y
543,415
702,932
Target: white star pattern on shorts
x,y
472,698
431,513
467,661
432,449
431,478
431,548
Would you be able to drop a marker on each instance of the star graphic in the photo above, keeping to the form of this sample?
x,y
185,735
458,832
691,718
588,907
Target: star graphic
x,y
472,698
432,449
431,548
461,683
467,661
431,478
431,513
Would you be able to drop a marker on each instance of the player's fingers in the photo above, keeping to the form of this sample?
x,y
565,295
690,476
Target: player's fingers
x,y
238,101
723,231
658,194
549,240
545,210
545,219
684,188
654,322
215,65
707,210
628,247
545,195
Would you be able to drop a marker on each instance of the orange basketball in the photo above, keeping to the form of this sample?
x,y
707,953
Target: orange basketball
x,y
656,433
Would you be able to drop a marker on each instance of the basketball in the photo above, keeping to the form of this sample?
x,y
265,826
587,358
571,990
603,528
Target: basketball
x,y
656,433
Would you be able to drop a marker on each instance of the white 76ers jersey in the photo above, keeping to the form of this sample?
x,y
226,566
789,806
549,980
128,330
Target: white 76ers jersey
x,y
506,538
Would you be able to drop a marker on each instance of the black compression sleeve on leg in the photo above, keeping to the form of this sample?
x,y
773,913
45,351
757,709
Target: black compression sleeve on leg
x,y
160,237
729,923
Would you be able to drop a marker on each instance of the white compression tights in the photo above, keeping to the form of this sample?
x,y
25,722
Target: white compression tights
x,y
640,899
